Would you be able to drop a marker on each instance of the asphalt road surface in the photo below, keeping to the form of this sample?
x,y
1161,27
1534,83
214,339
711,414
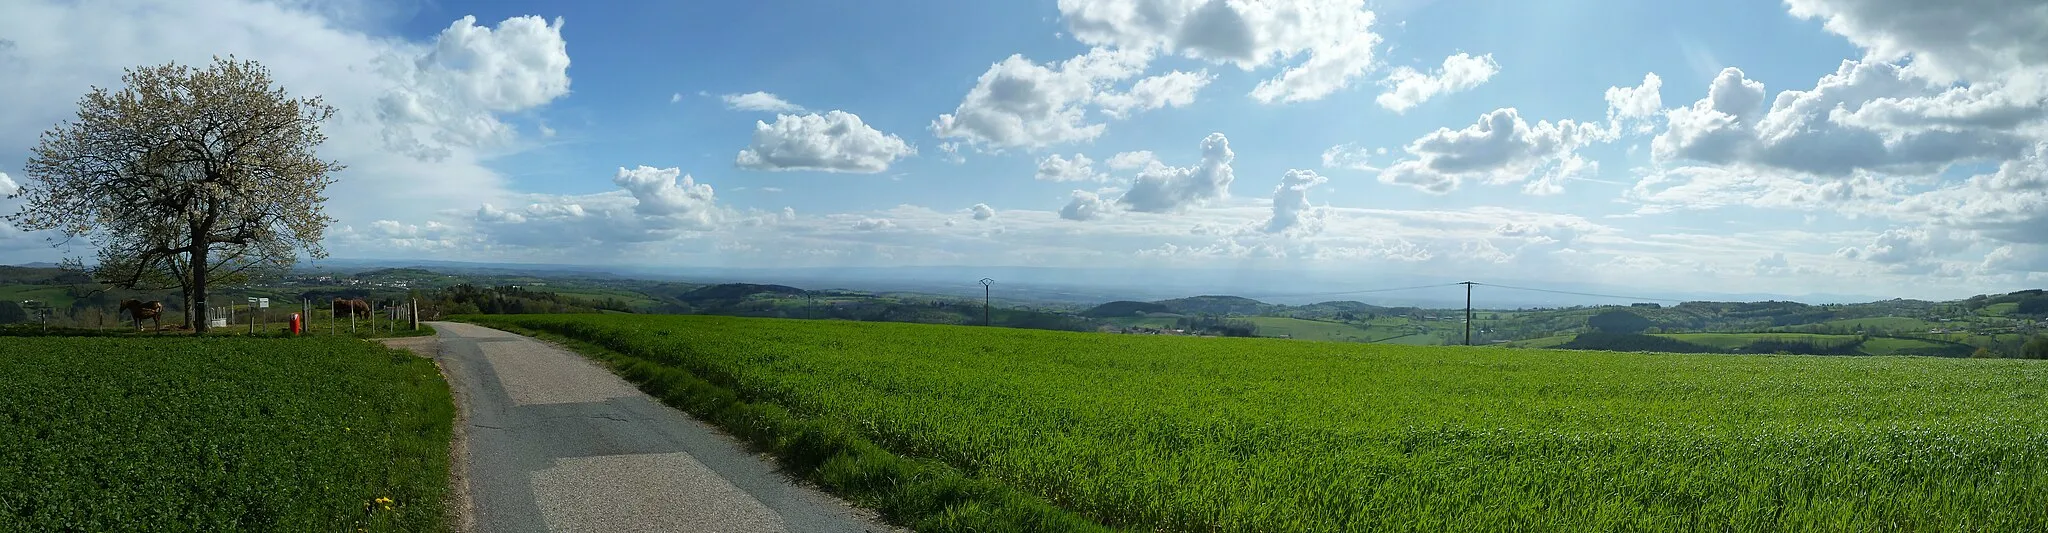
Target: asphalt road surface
x,y
550,441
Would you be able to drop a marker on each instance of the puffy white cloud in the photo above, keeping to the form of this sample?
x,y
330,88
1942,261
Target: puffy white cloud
x,y
1131,160
1085,205
2009,204
2015,102
1824,131
1636,104
1977,39
2019,258
659,194
1351,156
449,92
874,224
651,204
1290,202
1542,236
983,212
1017,103
836,141
759,101
1407,87
1172,89
1712,130
1500,148
1773,265
1056,168
7,185
1940,86
1908,250
1160,188
1332,38
674,98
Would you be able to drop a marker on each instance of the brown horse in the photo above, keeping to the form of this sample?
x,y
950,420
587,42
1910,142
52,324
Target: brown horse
x,y
138,310
356,307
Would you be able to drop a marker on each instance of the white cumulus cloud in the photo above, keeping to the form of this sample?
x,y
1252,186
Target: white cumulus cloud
x,y
1017,103
1079,168
1172,89
836,141
1823,131
1290,202
1636,104
1325,44
1500,148
447,94
659,193
1085,205
1131,160
1978,39
1407,87
1160,188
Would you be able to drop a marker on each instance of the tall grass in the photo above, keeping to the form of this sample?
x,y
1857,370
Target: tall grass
x,y
220,434
1184,434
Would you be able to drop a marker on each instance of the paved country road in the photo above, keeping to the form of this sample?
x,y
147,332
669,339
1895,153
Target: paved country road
x,y
551,441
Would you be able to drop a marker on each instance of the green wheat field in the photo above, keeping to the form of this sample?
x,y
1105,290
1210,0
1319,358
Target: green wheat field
x,y
220,434
1187,434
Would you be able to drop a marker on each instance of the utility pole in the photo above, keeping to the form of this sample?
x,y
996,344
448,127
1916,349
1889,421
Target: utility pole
x,y
1468,311
985,282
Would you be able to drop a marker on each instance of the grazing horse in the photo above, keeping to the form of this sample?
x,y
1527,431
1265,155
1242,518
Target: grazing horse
x,y
356,307
138,310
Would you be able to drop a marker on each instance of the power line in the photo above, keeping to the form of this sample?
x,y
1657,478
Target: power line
x,y
1595,295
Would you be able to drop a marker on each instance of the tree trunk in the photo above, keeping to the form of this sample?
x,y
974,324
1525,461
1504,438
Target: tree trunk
x,y
196,305
185,292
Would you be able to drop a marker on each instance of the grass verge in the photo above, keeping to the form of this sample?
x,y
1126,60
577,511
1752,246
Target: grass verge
x,y
205,434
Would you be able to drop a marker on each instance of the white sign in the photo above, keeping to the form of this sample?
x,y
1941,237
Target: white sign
x,y
263,303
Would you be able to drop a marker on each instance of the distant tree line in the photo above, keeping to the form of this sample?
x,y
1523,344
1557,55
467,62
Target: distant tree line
x,y
1632,342
466,299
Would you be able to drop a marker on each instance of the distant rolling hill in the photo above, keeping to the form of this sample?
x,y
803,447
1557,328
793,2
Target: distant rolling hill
x,y
1217,305
1125,308
727,292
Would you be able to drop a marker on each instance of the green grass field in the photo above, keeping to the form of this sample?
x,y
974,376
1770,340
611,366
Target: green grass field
x,y
1542,343
1730,341
1890,323
1188,434
220,434
1386,330
53,295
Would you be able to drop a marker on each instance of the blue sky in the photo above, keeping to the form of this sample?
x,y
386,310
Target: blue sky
x,y
564,132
